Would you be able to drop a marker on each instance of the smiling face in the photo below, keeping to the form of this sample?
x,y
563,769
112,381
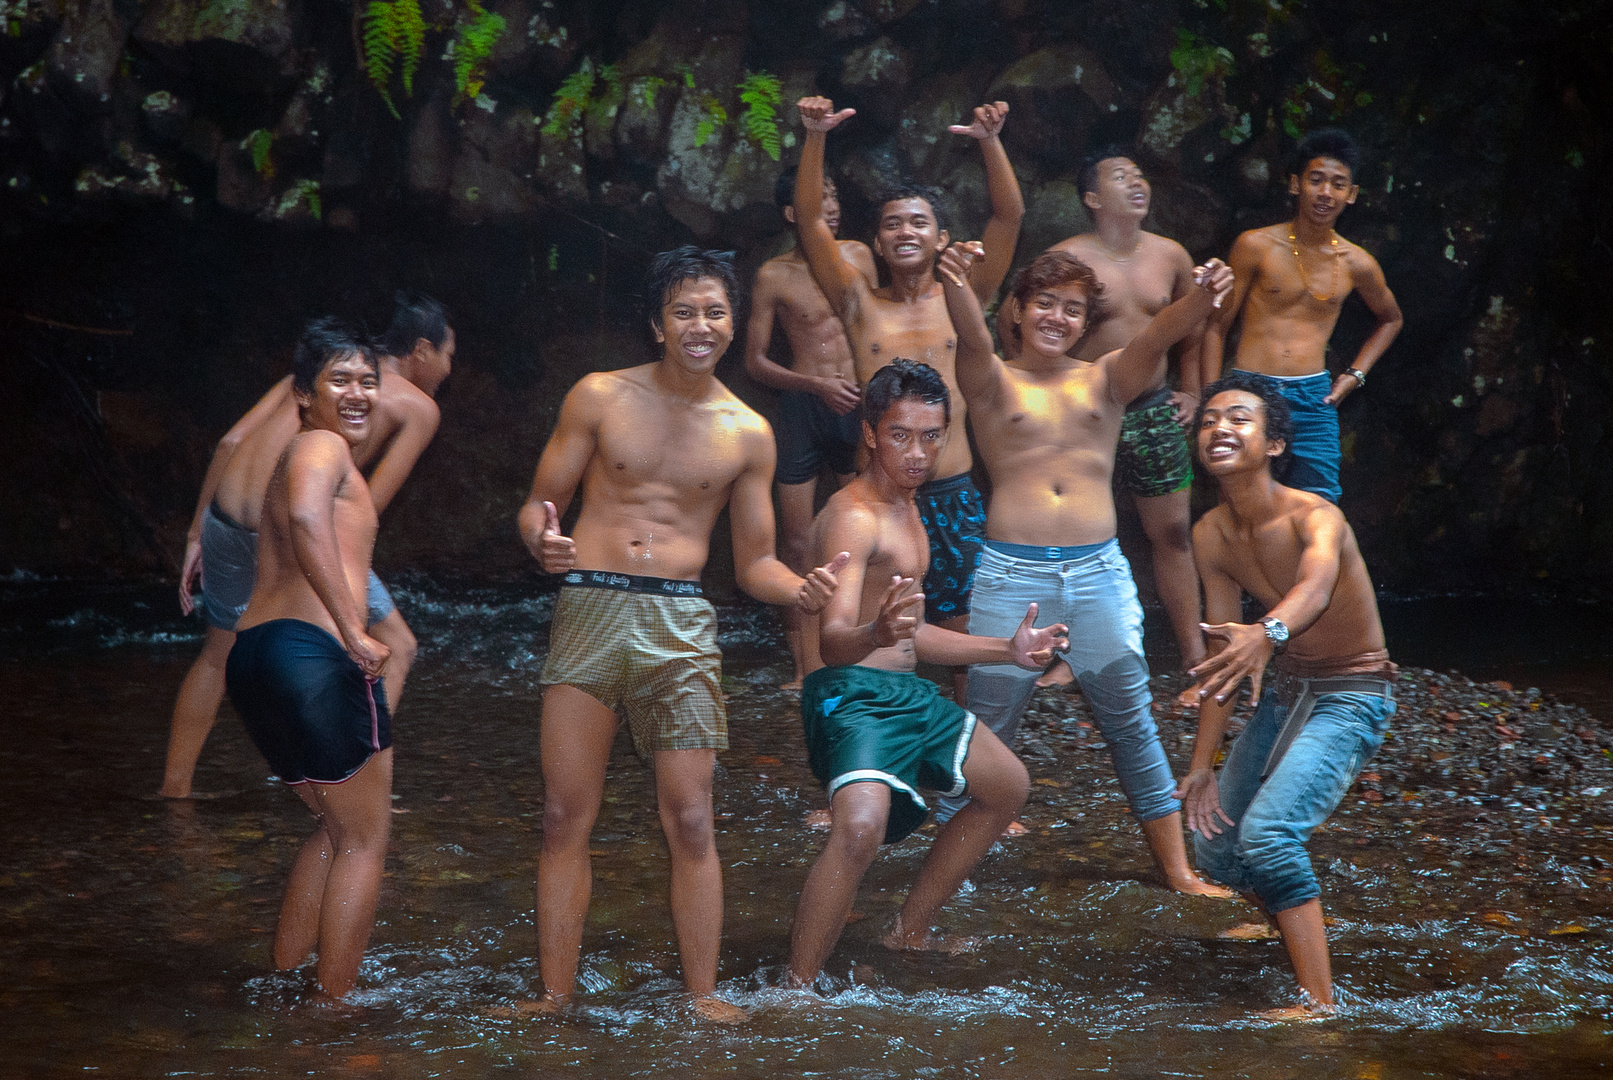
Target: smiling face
x,y
343,397
432,363
907,441
1322,191
1232,434
1121,189
697,324
1054,319
908,237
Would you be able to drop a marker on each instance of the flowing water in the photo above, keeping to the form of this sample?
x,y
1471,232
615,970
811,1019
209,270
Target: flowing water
x,y
1469,941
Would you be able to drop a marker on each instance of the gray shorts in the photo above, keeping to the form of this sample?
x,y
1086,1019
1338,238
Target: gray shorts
x,y
230,570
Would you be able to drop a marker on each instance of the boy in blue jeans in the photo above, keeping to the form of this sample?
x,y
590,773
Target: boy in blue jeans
x,y
1334,694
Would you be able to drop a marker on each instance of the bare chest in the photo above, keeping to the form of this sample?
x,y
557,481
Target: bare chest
x,y
1065,412
1310,283
919,331
692,453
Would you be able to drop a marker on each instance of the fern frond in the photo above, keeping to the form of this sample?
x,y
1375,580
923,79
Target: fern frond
x,y
762,93
473,45
260,142
570,100
381,43
411,38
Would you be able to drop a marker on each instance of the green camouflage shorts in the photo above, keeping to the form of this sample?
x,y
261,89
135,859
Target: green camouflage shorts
x,y
1153,457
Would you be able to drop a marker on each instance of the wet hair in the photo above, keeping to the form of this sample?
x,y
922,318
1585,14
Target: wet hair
x,y
911,190
900,380
414,316
1329,143
1051,269
1279,420
672,268
325,339
1087,179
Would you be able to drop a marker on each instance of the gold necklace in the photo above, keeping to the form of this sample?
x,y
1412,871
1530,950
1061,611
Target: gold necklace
x,y
1333,276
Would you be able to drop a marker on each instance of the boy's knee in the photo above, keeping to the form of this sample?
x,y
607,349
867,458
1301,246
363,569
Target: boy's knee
x,y
565,821
689,826
858,832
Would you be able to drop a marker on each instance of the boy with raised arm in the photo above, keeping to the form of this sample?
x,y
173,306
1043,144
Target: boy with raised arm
x,y
1329,709
221,551
1047,424
875,731
817,403
303,672
659,450
1141,273
908,318
1292,281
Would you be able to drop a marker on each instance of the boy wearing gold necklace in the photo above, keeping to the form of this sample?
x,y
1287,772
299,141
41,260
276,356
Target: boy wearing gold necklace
x,y
1291,281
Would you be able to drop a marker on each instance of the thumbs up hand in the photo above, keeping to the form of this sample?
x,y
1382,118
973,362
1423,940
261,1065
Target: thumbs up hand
x,y
556,553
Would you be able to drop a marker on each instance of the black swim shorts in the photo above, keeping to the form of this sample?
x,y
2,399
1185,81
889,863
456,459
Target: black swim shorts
x,y
811,436
307,706
954,517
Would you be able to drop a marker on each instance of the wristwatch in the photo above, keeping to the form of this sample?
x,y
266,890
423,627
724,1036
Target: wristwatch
x,y
1358,375
1276,633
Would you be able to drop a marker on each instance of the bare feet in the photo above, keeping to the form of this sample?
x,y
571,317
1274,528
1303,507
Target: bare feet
x,y
791,687
1253,931
1195,886
1300,1014
717,1010
818,820
547,1005
1015,829
927,941
1057,675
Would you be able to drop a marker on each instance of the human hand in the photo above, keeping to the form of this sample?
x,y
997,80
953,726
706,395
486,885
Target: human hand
x,y
1247,651
840,394
190,576
1342,387
820,584
958,259
555,553
1186,405
988,122
369,654
1216,276
817,114
1200,796
1033,648
893,624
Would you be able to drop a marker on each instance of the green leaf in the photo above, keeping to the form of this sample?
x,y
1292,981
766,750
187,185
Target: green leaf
x,y
260,142
411,39
762,93
472,46
565,112
382,39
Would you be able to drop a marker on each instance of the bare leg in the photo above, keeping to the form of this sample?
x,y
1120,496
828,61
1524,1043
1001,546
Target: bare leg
x,y
1167,521
795,522
575,746
960,675
860,811
298,932
998,785
683,793
396,635
195,710
356,817
1305,938
1170,855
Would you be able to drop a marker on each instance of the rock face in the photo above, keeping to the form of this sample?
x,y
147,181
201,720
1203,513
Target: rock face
x,y
205,173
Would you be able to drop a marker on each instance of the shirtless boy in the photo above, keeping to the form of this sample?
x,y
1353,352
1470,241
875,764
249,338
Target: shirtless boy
x,y
817,402
1047,425
221,550
1141,273
875,731
908,318
659,450
303,672
1292,281
1334,694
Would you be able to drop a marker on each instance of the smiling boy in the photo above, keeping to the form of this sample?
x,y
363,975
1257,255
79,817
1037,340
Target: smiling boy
x,y
1292,279
659,450
1328,710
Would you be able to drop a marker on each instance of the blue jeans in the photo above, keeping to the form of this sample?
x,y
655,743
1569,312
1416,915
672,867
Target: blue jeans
x,y
1315,464
1096,597
1264,852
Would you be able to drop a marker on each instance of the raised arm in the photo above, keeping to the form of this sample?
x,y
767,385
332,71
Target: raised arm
x,y
318,464
277,397
1374,290
1007,202
418,418
834,276
1245,262
1189,352
1247,648
560,469
978,369
1136,367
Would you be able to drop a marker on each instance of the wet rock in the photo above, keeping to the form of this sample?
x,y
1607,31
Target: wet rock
x,y
83,58
432,142
1057,97
1189,213
948,98
875,77
1053,212
844,19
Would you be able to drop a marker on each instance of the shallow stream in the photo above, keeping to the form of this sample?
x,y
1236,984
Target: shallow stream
x,y
1473,911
